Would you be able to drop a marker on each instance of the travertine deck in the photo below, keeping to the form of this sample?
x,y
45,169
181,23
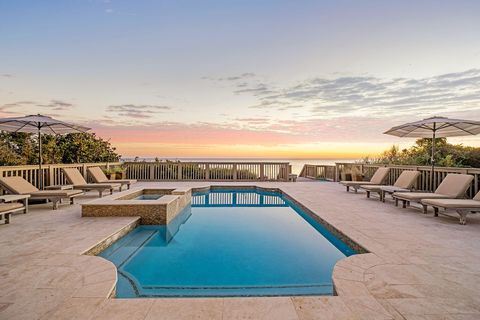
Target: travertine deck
x,y
419,267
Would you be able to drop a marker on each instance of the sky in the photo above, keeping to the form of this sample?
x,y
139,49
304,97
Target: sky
x,y
242,78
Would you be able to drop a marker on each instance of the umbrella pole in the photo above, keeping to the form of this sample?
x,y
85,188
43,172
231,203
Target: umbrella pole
x,y
432,182
40,173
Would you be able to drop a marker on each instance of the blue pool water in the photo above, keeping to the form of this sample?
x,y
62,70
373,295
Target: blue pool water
x,y
229,243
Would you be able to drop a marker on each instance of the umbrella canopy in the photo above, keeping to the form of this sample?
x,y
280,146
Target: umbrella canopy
x,y
34,123
443,127
40,125
436,127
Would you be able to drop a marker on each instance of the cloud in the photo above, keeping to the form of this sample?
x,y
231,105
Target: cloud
x,y
367,96
137,111
32,107
57,105
243,76
7,75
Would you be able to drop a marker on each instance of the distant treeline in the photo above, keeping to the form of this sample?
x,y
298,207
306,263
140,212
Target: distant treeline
x,y
447,154
22,148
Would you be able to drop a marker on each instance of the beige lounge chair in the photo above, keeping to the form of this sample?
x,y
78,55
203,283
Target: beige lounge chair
x,y
452,187
100,177
75,178
18,185
404,183
9,204
378,178
462,206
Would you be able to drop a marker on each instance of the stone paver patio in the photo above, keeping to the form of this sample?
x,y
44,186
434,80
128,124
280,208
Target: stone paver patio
x,y
419,267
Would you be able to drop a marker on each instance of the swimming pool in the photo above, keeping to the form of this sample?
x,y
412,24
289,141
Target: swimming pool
x,y
229,242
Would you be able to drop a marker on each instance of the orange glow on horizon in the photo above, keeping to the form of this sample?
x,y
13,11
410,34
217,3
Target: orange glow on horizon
x,y
297,151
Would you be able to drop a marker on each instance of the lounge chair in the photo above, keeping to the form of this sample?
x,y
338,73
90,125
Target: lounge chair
x,y
75,178
9,204
378,178
452,187
462,206
100,177
18,185
404,183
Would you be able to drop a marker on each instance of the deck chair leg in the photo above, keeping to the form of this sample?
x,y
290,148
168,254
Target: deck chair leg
x,y
7,218
425,208
435,211
463,217
396,202
128,186
404,204
55,203
348,188
72,201
100,193
368,194
356,190
111,191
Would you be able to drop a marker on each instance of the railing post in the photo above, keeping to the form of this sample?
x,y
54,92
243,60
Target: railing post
x,y
152,171
84,171
179,171
51,175
262,171
207,171
234,172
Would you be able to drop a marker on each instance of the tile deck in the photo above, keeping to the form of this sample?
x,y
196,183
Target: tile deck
x,y
419,267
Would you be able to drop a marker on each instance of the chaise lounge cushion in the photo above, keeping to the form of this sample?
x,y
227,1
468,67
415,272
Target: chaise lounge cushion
x,y
55,193
378,177
453,186
403,183
454,203
100,177
18,185
75,177
10,206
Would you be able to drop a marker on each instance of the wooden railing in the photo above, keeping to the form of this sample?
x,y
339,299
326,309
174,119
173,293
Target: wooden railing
x,y
365,171
52,173
321,172
212,171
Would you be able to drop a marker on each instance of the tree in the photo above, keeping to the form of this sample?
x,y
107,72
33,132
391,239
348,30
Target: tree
x,y
446,155
22,148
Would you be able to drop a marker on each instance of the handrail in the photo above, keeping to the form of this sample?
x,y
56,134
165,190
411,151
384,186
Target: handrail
x,y
424,181
322,172
362,171
208,171
52,173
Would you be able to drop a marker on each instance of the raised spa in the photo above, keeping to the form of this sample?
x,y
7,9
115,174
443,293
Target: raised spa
x,y
229,242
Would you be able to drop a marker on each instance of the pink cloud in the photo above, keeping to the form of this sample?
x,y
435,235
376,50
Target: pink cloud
x,y
347,129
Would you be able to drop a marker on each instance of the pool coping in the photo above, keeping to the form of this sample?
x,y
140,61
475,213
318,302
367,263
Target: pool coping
x,y
341,271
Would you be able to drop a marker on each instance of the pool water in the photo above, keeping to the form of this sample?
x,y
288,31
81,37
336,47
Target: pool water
x,y
148,197
229,243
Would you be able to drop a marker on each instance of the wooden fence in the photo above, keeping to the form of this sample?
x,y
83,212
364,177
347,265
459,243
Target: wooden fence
x,y
211,171
52,174
321,172
358,172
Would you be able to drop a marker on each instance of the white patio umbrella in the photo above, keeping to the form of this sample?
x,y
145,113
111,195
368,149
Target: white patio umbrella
x,y
39,124
436,127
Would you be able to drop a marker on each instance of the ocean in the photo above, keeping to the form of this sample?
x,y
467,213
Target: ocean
x,y
297,164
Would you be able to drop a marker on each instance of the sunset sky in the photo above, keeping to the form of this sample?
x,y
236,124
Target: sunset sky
x,y
242,78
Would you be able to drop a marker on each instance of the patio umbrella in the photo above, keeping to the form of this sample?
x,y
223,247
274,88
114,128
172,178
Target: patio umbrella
x,y
436,127
40,125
